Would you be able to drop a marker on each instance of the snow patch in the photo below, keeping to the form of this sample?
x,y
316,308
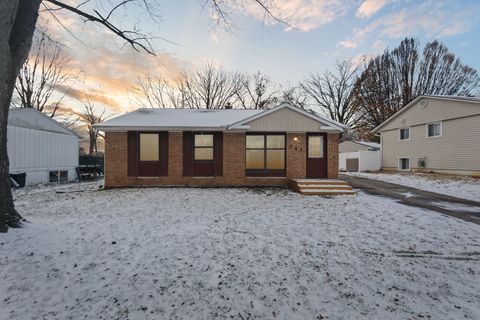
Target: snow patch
x,y
191,253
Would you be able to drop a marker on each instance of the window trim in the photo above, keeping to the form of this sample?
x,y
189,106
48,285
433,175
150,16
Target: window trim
x,y
398,164
266,172
437,136
161,161
203,147
409,133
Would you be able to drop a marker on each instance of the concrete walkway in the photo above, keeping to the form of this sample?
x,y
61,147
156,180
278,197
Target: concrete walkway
x,y
467,210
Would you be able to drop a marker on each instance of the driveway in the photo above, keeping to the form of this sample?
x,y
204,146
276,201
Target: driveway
x,y
467,210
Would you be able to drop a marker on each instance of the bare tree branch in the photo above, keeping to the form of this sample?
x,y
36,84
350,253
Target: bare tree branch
x,y
137,41
333,91
45,68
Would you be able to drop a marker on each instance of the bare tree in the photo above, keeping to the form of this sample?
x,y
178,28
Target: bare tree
x,y
90,117
393,79
157,92
210,87
257,92
333,91
17,24
441,73
46,67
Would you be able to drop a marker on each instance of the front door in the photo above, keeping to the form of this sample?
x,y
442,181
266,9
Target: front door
x,y
316,155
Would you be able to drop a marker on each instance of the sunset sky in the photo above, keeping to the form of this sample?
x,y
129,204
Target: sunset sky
x,y
323,31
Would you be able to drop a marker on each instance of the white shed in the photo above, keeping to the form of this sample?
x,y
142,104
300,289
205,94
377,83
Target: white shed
x,y
359,156
41,147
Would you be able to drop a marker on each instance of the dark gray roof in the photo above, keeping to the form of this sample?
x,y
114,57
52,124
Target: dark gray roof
x,y
33,119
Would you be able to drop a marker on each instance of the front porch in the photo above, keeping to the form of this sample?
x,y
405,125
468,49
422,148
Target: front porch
x,y
321,187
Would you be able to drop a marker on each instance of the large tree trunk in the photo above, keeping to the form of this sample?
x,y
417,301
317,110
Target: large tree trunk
x,y
93,142
17,24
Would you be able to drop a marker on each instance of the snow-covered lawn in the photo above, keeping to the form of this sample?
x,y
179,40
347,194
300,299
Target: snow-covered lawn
x,y
456,186
184,253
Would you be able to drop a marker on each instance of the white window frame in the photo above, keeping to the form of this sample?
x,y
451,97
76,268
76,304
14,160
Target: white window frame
x,y
400,168
426,130
409,134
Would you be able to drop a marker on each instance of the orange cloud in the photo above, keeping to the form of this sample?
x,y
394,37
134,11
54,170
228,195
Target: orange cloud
x,y
91,95
108,70
112,72
369,7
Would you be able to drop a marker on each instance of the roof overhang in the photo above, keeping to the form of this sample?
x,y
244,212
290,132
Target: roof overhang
x,y
151,128
324,124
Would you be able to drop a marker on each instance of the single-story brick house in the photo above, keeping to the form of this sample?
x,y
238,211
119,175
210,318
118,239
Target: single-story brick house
x,y
221,147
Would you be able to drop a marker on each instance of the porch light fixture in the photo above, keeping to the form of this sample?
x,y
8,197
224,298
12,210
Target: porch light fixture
x,y
295,139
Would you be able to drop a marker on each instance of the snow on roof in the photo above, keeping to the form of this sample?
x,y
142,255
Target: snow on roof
x,y
33,119
178,118
369,144
206,119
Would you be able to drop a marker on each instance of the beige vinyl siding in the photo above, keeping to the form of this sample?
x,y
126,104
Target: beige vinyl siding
x,y
436,110
349,146
284,120
457,149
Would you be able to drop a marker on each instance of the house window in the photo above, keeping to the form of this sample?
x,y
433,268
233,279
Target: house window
x,y
404,133
434,129
404,164
265,155
53,176
63,176
203,147
315,147
57,176
149,147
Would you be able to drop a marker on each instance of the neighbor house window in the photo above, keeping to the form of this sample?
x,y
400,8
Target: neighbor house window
x,y
53,176
63,176
404,134
58,176
265,154
149,147
404,164
203,147
434,129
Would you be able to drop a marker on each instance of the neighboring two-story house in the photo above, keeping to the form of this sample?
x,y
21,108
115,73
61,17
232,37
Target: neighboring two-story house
x,y
433,133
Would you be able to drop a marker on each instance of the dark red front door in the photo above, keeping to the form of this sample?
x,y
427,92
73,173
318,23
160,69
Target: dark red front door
x,y
316,155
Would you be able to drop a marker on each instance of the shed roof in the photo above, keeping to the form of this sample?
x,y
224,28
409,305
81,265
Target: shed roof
x,y
369,144
33,119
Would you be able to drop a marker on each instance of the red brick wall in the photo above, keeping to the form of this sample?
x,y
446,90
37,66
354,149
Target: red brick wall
x,y
233,162
332,151
296,155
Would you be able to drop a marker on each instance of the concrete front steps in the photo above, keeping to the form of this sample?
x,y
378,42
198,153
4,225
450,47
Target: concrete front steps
x,y
321,187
